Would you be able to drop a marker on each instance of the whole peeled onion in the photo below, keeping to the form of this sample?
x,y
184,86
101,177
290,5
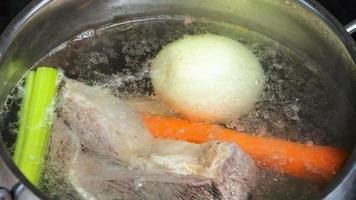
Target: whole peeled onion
x,y
208,77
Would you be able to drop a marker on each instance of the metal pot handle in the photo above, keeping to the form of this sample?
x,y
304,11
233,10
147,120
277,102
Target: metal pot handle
x,y
13,194
351,27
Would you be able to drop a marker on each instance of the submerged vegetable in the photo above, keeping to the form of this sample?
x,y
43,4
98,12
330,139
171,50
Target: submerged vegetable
x,y
35,122
21,137
208,77
314,163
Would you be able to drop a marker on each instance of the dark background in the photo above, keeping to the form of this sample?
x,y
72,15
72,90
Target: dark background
x,y
344,10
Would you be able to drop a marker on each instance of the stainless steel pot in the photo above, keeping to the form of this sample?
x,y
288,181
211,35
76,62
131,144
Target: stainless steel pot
x,y
302,25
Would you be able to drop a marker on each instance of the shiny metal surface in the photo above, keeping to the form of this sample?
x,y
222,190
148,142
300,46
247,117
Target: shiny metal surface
x,y
301,25
7,180
351,27
5,194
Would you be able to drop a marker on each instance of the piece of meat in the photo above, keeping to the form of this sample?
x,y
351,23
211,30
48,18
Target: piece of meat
x,y
149,105
120,159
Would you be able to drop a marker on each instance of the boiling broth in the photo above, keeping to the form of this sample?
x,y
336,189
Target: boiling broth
x,y
299,103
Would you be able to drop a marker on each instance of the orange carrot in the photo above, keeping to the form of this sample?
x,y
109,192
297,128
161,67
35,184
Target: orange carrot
x,y
313,163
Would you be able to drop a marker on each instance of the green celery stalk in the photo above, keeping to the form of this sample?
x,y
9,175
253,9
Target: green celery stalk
x,y
38,122
25,104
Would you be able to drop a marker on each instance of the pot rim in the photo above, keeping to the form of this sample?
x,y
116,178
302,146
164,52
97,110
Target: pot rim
x,y
311,5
